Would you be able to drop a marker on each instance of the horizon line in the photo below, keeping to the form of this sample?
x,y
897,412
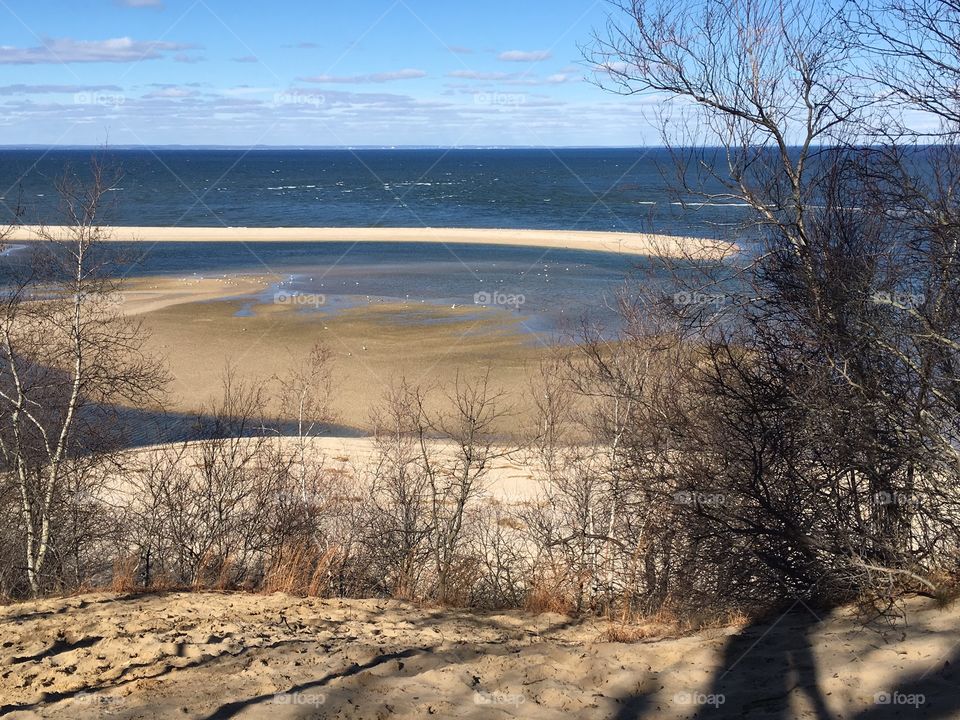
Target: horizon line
x,y
21,146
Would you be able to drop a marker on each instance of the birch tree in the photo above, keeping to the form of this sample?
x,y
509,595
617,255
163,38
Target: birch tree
x,y
68,355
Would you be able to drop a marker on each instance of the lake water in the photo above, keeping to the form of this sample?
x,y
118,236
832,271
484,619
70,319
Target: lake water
x,y
567,189
550,290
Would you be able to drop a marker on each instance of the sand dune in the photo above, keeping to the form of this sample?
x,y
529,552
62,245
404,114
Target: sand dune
x,y
511,478
616,242
210,655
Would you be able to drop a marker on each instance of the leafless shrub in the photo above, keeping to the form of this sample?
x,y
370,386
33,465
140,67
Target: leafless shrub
x,y
426,479
401,520
823,378
504,552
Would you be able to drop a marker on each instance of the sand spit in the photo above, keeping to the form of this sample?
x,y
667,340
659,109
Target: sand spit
x,y
615,242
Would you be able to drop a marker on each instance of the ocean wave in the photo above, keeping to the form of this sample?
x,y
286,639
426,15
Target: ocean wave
x,y
712,204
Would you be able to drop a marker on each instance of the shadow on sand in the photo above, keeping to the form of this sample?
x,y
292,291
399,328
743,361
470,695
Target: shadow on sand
x,y
770,665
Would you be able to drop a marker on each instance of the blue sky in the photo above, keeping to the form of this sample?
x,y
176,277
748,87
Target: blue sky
x,y
299,72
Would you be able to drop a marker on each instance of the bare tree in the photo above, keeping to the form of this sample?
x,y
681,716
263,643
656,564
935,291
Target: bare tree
x,y
456,478
305,396
67,354
401,526
826,352
915,48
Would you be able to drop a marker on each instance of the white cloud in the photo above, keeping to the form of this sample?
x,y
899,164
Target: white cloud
x,y
331,98
525,55
515,78
349,118
67,50
478,75
248,90
405,74
616,68
171,92
21,89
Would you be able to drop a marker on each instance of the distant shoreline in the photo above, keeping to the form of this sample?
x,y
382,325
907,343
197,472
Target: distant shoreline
x,y
609,242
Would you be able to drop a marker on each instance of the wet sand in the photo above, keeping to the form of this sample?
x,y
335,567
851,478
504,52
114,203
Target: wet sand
x,y
199,326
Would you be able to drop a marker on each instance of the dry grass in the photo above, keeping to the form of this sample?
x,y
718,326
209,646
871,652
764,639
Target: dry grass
x,y
302,570
544,598
667,623
224,576
624,633
124,578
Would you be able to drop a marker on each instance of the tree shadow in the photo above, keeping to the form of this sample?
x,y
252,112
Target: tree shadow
x,y
767,665
128,676
762,665
934,693
231,709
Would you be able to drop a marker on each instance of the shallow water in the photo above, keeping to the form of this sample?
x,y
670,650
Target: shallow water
x,y
550,291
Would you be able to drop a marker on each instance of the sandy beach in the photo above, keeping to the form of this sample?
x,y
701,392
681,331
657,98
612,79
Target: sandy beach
x,y
513,477
225,655
200,323
612,242
146,295
480,361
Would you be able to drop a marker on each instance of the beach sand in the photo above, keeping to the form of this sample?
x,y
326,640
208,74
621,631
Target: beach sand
x,y
200,326
615,242
511,478
146,295
226,655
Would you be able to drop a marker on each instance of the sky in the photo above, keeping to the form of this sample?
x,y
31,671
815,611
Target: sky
x,y
309,72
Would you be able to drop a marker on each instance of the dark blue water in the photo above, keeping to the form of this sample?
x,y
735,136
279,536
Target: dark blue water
x,y
570,189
